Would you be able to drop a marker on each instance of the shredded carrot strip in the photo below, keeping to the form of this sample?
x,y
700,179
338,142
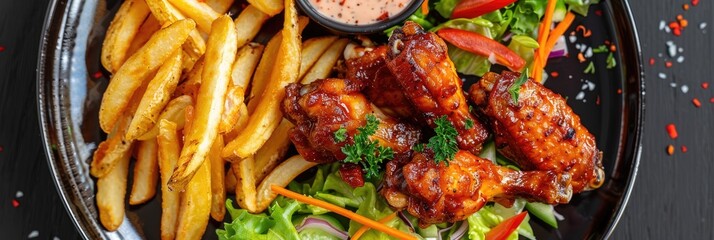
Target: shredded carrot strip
x,y
541,58
344,212
366,228
425,7
545,25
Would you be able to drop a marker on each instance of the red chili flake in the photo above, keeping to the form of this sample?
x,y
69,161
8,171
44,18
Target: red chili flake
x,y
607,42
1,149
2,48
685,7
15,203
586,32
97,74
677,32
619,91
670,149
598,12
597,100
652,61
679,17
668,64
672,131
613,48
711,100
696,102
695,2
705,85
673,25
554,74
684,148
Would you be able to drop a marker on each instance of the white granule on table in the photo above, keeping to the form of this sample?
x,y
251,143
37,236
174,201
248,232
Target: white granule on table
x,y
19,194
673,84
703,25
680,59
685,88
580,96
33,234
662,76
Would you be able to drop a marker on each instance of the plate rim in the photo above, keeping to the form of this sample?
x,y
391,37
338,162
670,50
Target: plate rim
x,y
47,66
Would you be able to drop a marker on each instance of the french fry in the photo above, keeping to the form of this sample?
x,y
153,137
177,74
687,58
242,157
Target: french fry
x,y
146,172
168,14
137,68
111,190
168,144
248,24
245,184
270,7
192,83
273,151
195,204
220,54
198,11
231,109
112,150
261,124
121,31
147,29
267,66
312,49
218,189
231,181
220,6
323,66
244,66
157,95
281,176
173,112
239,125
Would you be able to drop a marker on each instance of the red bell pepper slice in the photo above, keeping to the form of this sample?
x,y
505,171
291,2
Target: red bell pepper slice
x,y
475,8
505,228
483,46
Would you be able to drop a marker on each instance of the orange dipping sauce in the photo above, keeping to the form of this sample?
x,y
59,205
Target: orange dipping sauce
x,y
359,12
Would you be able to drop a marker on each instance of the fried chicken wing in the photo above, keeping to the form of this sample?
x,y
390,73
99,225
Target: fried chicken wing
x,y
437,193
540,132
420,63
324,106
369,66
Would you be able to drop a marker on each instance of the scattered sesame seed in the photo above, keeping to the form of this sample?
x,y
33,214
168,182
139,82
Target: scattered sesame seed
x,y
685,88
673,84
580,96
662,25
572,38
662,76
19,194
680,59
702,25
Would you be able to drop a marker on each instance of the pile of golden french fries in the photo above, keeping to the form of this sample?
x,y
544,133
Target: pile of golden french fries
x,y
191,93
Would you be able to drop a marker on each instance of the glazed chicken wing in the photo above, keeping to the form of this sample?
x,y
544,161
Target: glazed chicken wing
x,y
419,60
324,106
369,66
540,132
437,193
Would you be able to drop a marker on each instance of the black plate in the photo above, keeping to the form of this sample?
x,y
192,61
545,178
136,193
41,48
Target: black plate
x,y
68,100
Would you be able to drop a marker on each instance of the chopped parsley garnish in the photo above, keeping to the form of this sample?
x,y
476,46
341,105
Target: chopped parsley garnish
x,y
340,135
469,124
515,88
601,49
590,69
419,147
366,152
611,63
444,142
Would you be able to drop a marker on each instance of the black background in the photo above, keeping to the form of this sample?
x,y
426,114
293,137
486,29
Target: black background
x,y
673,197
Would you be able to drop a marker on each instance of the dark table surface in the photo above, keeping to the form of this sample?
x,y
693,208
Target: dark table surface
x,y
672,199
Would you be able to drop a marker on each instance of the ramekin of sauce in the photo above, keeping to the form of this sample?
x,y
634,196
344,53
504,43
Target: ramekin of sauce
x,y
359,16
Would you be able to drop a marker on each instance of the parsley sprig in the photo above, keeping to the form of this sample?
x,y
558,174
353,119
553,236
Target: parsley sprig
x,y
515,88
364,151
443,144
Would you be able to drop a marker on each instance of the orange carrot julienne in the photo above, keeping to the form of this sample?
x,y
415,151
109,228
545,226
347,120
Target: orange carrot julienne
x,y
425,7
366,228
344,212
559,30
545,25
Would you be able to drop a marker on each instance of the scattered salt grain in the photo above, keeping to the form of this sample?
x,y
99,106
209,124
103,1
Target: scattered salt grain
x,y
585,86
703,25
570,76
685,88
591,85
671,49
662,25
673,84
680,59
580,96
55,238
33,234
662,76
680,50
589,52
19,194
573,38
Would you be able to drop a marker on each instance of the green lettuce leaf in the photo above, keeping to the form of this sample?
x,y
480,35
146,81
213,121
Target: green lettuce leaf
x,y
580,6
490,216
245,225
445,7
526,16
